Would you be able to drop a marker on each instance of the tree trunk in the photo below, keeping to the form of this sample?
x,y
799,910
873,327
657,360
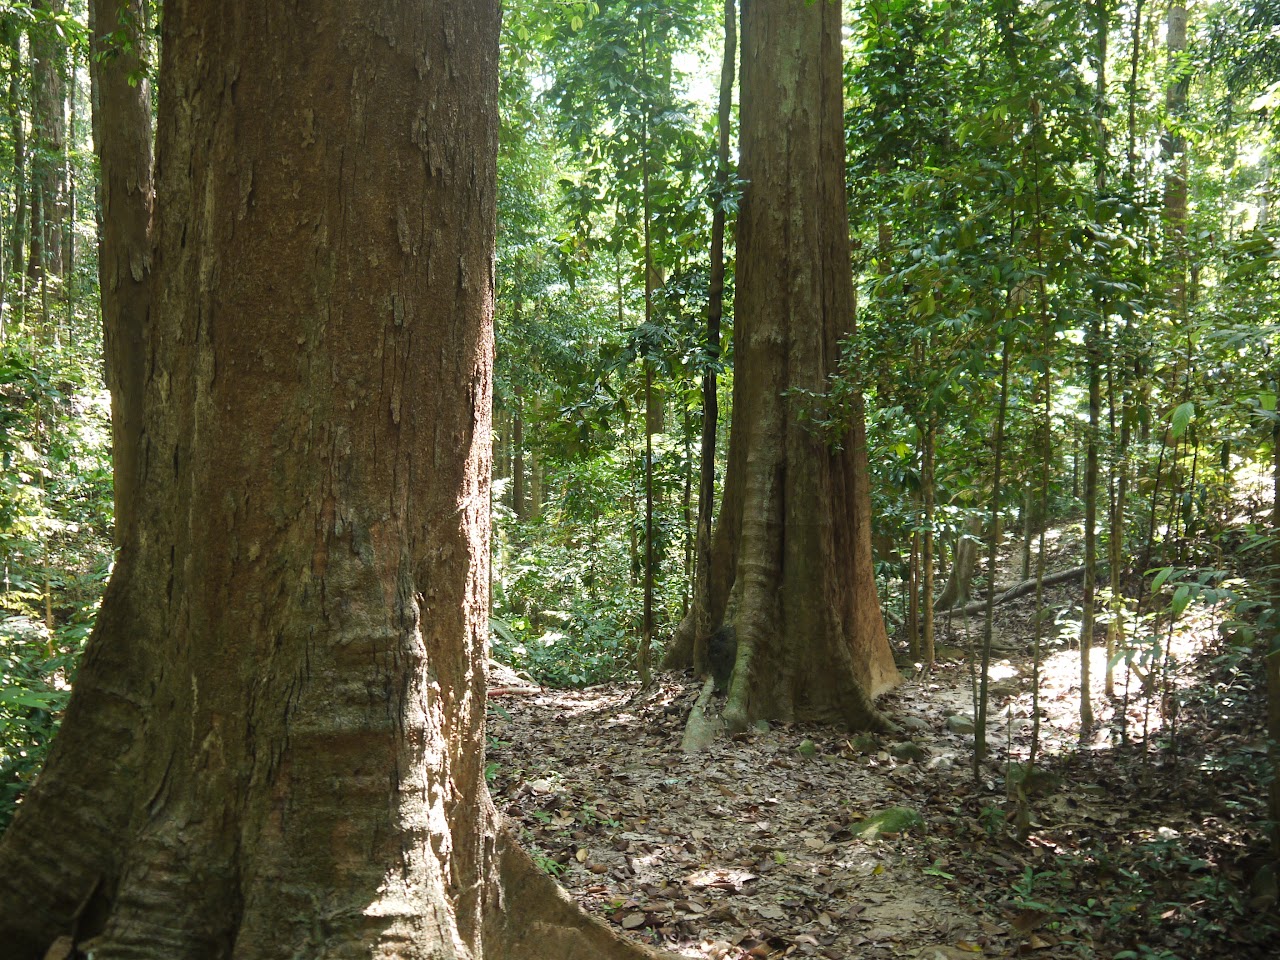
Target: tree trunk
x,y
993,547
48,135
18,136
62,854
926,481
303,770
964,564
1272,662
1028,527
811,642
122,135
519,504
689,645
644,661
1174,150
1093,359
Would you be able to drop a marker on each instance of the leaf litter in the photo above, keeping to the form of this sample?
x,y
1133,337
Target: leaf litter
x,y
804,841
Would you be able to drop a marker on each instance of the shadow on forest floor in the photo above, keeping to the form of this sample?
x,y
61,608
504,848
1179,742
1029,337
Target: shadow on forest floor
x,y
802,841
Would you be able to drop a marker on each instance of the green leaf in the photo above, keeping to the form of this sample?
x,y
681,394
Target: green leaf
x,y
1181,418
1181,597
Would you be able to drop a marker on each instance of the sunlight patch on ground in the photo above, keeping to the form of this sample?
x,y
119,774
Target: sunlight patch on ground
x,y
1163,658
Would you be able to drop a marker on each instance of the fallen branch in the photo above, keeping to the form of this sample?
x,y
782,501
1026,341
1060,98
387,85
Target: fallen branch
x,y
1016,591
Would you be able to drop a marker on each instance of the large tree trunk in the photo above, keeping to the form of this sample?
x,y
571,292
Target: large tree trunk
x,y
303,775
811,642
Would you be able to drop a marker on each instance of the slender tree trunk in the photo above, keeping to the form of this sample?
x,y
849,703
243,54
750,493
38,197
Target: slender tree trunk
x,y
980,723
644,660
1026,511
926,483
1046,447
48,135
1273,657
689,645
537,480
1174,149
686,506
1116,542
913,597
304,761
18,137
518,498
811,642
1093,358
68,238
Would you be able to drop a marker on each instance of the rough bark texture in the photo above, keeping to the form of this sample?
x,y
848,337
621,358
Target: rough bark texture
x,y
122,136
304,777
795,518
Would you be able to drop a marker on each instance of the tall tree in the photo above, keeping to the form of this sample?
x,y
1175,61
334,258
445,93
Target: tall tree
x,y
48,136
794,528
1101,14
18,137
305,771
122,136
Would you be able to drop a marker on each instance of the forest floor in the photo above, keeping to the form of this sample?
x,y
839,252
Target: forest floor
x,y
805,841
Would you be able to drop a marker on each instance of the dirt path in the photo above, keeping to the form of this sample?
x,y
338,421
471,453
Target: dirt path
x,y
772,844
749,846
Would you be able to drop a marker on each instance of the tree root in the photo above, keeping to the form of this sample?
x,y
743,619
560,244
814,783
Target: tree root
x,y
537,919
701,729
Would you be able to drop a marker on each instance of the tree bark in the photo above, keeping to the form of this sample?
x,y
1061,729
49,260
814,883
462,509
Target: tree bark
x,y
1093,361
1272,661
811,642
48,135
304,766
1174,150
926,480
964,564
122,136
18,136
